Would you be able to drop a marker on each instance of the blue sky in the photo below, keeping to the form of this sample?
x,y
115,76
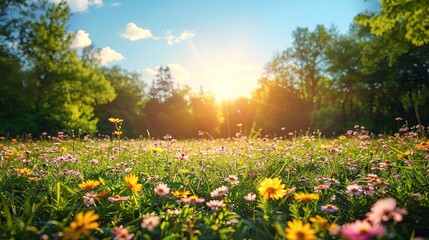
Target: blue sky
x,y
221,45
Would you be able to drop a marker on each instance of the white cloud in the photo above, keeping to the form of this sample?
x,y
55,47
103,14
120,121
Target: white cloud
x,y
185,35
80,40
116,4
107,55
133,32
180,74
80,5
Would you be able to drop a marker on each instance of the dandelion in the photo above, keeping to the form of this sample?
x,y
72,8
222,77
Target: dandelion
x,y
131,182
329,208
220,191
362,230
272,188
150,222
250,197
162,190
121,233
306,197
232,179
215,204
89,184
297,230
81,225
385,209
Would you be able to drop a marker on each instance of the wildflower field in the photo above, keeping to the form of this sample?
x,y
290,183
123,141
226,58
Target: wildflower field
x,y
298,186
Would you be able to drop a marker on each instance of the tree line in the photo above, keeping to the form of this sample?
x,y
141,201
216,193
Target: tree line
x,y
328,81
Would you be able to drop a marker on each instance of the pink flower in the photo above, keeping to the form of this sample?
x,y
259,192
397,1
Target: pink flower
x,y
174,211
362,230
162,190
329,208
121,233
150,222
220,192
250,197
385,209
232,179
354,190
117,198
192,199
215,204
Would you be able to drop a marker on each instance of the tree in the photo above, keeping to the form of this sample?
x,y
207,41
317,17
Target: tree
x,y
162,86
64,88
168,110
127,105
411,16
207,115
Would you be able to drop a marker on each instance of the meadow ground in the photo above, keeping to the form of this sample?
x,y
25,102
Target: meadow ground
x,y
296,186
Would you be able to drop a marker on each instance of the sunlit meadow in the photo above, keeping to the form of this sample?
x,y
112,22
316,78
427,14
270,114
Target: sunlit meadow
x,y
296,186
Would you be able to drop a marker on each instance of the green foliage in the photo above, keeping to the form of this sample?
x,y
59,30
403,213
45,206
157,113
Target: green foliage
x,y
60,90
411,16
127,105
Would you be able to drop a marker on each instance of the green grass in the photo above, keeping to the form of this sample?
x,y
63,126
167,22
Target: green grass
x,y
49,203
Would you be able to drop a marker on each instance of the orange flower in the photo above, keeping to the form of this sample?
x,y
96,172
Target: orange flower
x,y
23,171
89,184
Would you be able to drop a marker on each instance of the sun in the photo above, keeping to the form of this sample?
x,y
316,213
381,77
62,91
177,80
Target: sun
x,y
231,81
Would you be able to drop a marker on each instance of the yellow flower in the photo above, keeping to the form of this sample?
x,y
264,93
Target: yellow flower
x,y
422,145
131,181
320,222
306,197
117,132
342,137
325,147
297,230
23,171
82,223
272,188
116,120
404,155
179,194
63,150
89,184
157,149
33,179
